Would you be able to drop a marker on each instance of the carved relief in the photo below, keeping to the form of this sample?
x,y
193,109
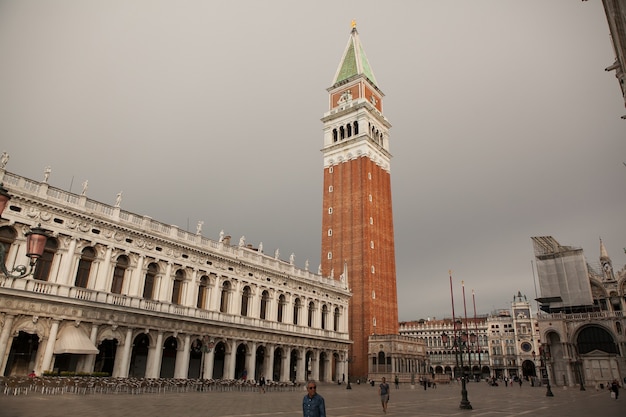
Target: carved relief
x,y
32,212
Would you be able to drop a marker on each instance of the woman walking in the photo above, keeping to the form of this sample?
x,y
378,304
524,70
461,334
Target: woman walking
x,y
383,391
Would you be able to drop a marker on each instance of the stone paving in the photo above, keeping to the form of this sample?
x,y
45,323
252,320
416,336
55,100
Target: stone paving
x,y
362,400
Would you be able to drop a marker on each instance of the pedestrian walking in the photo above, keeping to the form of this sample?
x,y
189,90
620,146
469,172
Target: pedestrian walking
x,y
397,382
614,389
383,391
262,385
313,404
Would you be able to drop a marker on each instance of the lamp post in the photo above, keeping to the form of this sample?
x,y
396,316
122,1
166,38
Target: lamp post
x,y
348,360
544,354
458,342
480,367
35,244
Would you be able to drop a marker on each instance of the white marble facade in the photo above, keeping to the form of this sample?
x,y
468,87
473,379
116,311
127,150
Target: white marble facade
x,y
122,293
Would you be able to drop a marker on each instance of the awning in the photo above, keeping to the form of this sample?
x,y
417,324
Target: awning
x,y
73,340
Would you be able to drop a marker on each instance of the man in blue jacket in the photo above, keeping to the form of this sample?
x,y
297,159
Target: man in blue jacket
x,y
313,403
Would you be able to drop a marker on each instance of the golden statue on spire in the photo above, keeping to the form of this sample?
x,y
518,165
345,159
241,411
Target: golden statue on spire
x,y
353,23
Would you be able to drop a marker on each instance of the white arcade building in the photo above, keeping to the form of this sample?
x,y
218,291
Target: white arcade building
x,y
121,293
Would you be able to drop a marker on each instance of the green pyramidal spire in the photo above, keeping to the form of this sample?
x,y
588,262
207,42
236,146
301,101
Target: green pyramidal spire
x,y
354,61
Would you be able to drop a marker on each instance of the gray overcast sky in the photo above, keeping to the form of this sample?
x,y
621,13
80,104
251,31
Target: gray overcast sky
x,y
505,124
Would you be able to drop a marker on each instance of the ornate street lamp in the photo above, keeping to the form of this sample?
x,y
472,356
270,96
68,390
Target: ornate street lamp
x,y
544,354
35,244
457,344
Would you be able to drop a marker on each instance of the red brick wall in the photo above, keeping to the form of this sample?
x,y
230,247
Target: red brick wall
x,y
352,233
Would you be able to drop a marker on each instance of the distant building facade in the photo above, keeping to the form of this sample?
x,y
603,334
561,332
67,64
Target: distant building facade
x,y
501,344
124,294
581,321
514,341
443,360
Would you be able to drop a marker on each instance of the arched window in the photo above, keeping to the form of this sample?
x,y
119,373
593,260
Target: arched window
x,y
349,128
334,135
281,308
265,299
84,267
118,274
324,316
44,264
148,286
296,310
356,127
203,290
330,232
596,338
342,132
310,315
224,297
245,300
336,320
177,286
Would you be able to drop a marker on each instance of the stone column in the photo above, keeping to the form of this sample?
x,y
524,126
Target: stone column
x,y
102,278
122,359
155,354
165,287
251,360
255,303
268,362
137,278
181,368
229,359
209,361
301,366
5,346
285,364
67,265
315,366
192,290
216,293
234,306
46,363
90,360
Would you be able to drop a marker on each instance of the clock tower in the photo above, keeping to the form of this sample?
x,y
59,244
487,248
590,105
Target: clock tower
x,y
357,223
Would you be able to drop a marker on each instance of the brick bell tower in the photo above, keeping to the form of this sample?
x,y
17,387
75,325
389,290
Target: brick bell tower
x,y
357,223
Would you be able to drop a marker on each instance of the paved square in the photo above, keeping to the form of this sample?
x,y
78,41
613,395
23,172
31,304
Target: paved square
x,y
362,400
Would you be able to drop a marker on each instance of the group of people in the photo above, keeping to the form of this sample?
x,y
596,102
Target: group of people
x,y
313,404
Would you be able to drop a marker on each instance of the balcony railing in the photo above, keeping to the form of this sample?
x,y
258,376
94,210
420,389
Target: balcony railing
x,y
594,315
101,298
